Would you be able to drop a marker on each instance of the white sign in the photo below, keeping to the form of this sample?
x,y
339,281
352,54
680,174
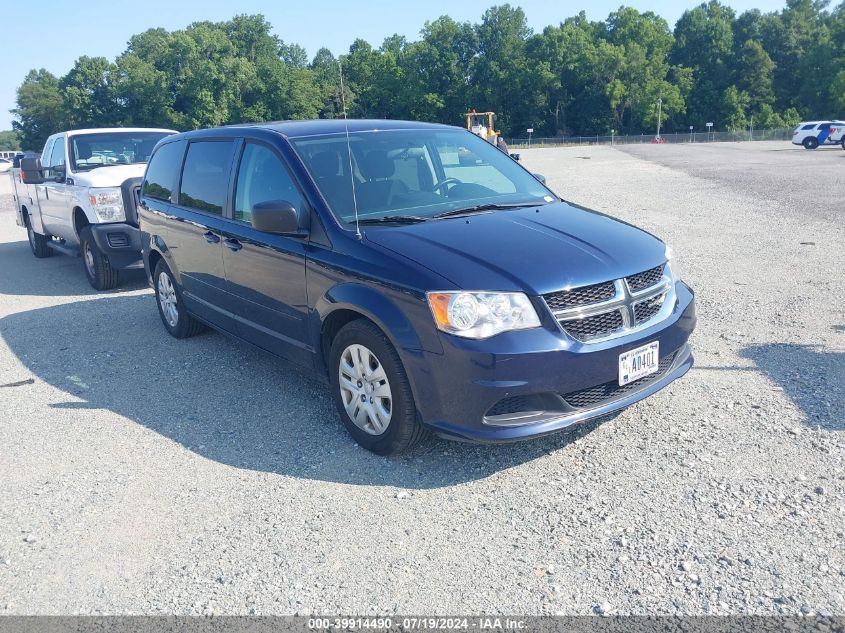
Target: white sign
x,y
690,128
709,125
530,130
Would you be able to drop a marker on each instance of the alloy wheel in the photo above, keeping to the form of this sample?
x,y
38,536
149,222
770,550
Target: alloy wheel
x,y
167,299
365,389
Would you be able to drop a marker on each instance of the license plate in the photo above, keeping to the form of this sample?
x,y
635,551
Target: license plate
x,y
639,362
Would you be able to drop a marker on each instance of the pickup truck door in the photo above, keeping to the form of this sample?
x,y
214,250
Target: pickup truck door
x,y
266,272
55,197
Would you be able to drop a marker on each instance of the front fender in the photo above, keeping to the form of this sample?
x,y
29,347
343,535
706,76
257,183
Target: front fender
x,y
398,323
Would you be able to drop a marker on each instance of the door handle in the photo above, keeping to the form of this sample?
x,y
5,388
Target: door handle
x,y
233,244
210,237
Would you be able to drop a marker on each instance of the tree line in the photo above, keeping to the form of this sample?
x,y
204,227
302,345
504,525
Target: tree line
x,y
576,77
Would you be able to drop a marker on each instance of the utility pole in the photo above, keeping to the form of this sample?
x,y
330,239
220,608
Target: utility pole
x,y
659,116
751,129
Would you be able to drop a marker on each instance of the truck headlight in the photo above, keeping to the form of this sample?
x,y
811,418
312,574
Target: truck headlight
x,y
481,314
674,269
107,203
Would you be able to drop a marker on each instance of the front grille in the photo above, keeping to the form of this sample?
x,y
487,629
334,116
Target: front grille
x,y
595,326
608,392
578,297
645,279
645,310
514,404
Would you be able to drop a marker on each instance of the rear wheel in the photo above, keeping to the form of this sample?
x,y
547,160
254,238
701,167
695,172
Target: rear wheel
x,y
371,390
100,274
811,142
171,307
37,242
843,142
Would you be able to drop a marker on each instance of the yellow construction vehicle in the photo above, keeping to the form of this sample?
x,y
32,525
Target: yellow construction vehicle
x,y
481,124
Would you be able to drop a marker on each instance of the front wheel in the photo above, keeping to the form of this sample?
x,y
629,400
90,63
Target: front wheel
x,y
171,307
100,274
810,142
371,390
37,242
843,142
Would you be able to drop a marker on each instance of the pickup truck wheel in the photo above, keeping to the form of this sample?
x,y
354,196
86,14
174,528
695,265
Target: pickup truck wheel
x,y
371,390
97,268
811,142
37,242
171,308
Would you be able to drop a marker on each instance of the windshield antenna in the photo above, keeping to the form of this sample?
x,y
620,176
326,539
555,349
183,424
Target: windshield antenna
x,y
349,150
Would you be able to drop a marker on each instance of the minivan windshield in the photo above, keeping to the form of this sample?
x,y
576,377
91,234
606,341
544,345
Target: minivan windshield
x,y
404,176
89,151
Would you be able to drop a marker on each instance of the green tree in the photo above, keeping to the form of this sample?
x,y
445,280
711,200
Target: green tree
x,y
88,93
704,43
39,110
9,140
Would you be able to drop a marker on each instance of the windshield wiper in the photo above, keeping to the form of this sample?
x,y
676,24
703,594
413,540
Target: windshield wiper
x,y
394,219
480,208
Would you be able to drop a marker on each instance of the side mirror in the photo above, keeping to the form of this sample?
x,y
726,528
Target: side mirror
x,y
541,178
276,216
31,172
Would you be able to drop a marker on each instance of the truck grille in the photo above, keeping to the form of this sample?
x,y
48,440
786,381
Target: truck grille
x,y
608,392
612,308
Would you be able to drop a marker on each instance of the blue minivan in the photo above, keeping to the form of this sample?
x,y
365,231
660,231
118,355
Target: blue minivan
x,y
429,278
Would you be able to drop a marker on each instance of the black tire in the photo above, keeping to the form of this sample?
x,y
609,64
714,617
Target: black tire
x,y
811,142
404,429
37,242
843,142
96,264
184,325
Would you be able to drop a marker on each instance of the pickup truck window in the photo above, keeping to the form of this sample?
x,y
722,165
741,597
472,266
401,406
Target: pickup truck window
x,y
205,176
261,178
57,157
90,151
159,180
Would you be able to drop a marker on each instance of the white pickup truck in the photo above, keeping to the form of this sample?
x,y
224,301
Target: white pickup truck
x,y
78,198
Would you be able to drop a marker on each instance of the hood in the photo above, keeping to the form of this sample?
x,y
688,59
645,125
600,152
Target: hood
x,y
535,250
111,176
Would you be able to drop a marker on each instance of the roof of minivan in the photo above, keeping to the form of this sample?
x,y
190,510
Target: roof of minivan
x,y
317,127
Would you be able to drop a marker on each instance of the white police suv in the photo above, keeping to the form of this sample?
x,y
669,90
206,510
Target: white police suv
x,y
811,134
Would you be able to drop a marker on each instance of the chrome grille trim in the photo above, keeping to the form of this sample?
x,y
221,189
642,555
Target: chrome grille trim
x,y
625,301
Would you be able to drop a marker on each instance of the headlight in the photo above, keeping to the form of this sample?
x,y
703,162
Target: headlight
x,y
481,314
107,203
674,269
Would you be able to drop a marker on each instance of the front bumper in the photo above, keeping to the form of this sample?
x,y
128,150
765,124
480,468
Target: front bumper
x,y
455,390
121,243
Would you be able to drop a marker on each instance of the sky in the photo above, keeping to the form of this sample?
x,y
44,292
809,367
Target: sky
x,y
53,37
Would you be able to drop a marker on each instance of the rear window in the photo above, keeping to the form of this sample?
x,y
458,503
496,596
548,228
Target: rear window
x,y
160,179
205,177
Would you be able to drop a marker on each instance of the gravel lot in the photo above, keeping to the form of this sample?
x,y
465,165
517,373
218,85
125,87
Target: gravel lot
x,y
146,475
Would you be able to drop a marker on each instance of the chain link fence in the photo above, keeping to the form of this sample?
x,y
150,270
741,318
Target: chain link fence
x,y
678,137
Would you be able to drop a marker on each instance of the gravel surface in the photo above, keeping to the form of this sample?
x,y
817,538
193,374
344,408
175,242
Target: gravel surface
x,y
146,475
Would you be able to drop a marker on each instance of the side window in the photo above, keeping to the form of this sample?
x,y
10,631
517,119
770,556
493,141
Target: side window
x,y
205,176
45,154
160,179
57,156
262,177
824,126
809,127
55,160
